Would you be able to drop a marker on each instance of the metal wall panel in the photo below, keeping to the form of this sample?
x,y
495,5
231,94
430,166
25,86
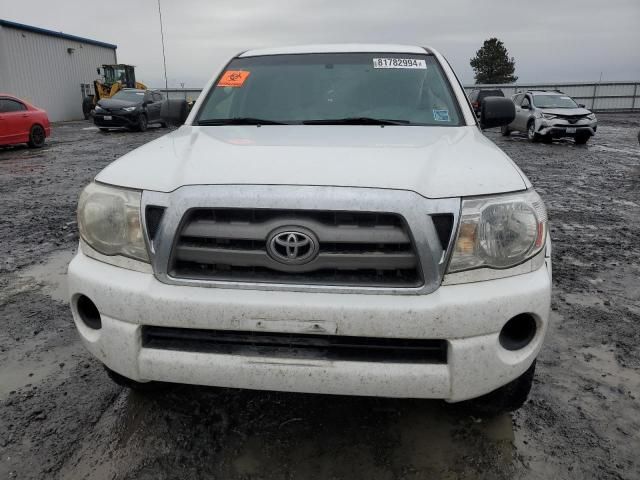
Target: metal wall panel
x,y
40,69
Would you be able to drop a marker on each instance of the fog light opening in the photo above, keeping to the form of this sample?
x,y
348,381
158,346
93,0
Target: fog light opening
x,y
518,332
89,313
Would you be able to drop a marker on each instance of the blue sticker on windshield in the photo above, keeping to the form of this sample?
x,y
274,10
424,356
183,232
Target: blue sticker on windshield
x,y
441,115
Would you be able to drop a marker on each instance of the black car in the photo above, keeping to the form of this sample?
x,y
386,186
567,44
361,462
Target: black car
x,y
131,108
478,95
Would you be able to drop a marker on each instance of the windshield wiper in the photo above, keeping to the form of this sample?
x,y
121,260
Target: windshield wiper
x,y
356,121
239,121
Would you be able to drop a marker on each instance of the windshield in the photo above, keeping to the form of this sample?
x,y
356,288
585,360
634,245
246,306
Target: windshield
x,y
355,88
554,101
114,74
129,95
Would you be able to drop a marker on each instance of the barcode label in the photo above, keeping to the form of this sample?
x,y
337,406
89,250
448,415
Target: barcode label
x,y
399,63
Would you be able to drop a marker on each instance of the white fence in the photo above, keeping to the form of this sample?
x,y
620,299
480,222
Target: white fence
x,y
599,96
181,93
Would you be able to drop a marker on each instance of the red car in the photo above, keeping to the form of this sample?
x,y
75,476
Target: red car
x,y
21,122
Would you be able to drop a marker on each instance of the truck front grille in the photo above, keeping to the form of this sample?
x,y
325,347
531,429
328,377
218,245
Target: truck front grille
x,y
312,248
293,345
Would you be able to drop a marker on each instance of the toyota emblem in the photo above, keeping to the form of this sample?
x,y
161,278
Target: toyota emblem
x,y
292,245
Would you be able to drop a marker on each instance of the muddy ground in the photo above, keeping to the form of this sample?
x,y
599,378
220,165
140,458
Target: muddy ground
x,y
60,417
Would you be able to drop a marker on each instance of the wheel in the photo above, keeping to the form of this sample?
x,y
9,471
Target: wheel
x,y
507,398
504,130
132,384
143,123
37,136
582,139
531,131
87,107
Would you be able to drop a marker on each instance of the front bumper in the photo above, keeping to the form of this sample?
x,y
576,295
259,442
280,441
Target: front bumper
x,y
117,119
562,128
468,316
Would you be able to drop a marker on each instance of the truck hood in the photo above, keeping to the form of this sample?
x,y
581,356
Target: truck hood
x,y
436,162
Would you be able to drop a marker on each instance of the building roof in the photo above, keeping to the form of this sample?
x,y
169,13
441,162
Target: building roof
x,y
44,31
337,48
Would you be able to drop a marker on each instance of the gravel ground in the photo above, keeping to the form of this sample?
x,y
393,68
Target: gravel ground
x,y
60,417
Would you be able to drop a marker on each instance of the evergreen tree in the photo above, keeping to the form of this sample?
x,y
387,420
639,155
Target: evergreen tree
x,y
492,63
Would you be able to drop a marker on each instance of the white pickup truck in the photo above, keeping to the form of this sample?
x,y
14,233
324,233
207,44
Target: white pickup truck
x,y
330,219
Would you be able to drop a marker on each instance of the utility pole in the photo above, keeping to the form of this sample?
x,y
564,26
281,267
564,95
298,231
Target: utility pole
x,y
164,58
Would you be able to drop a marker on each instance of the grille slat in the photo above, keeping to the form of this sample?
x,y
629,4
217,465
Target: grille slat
x,y
325,233
259,258
292,345
354,248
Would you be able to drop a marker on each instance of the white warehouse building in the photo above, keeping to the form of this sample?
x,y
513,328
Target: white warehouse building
x,y
48,69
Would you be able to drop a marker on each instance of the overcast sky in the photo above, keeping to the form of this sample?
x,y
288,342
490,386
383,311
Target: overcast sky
x,y
551,40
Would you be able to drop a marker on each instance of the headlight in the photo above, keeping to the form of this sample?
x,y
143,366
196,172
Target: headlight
x,y
591,116
99,109
549,116
109,221
129,109
499,232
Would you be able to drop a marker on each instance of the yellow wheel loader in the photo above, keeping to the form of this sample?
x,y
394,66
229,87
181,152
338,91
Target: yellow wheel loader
x,y
114,78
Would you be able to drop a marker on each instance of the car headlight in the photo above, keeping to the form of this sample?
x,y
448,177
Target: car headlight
x,y
109,221
99,109
129,109
591,116
548,116
499,232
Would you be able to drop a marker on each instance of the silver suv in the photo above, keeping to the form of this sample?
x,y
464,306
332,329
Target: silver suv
x,y
548,114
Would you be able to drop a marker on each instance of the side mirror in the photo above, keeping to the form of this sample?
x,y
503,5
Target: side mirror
x,y
582,105
496,112
175,111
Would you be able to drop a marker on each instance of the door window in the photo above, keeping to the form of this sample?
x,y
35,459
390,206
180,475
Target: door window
x,y
526,103
7,105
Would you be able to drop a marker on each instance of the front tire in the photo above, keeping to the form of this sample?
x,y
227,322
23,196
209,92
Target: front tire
x,y
531,131
37,136
582,139
505,399
87,107
143,123
132,384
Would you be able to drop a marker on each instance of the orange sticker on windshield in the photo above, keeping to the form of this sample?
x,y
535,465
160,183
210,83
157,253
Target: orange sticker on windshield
x,y
233,78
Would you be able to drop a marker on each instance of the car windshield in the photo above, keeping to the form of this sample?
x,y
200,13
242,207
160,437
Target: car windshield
x,y
349,88
554,101
129,95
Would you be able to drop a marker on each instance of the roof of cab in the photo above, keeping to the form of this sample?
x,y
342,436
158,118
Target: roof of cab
x,y
337,48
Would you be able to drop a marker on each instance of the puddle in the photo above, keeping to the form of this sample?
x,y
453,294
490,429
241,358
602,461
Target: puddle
x,y
608,149
51,274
